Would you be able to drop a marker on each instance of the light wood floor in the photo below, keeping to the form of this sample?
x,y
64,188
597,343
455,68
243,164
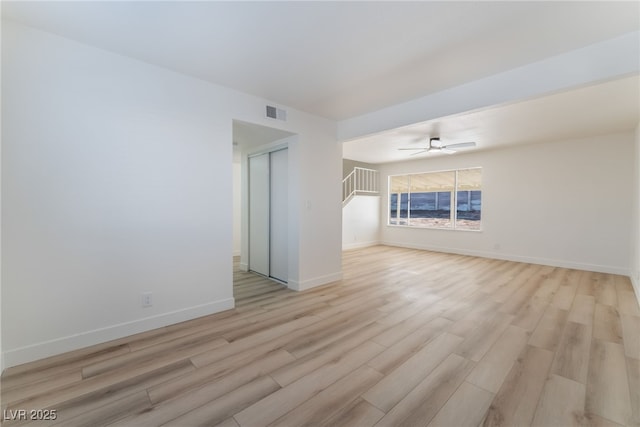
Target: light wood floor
x,y
408,338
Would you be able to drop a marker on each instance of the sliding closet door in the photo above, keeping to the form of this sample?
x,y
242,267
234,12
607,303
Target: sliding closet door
x,y
259,214
278,216
268,214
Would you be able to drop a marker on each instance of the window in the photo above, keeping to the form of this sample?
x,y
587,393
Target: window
x,y
447,199
399,199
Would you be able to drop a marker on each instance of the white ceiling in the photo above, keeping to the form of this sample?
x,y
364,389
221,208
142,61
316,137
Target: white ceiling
x,y
333,59
343,59
593,110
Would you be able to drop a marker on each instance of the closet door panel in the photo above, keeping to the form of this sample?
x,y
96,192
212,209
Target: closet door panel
x,y
259,214
279,250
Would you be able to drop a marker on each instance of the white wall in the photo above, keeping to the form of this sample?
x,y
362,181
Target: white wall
x,y
577,211
115,178
348,166
361,222
1,174
237,211
319,212
635,228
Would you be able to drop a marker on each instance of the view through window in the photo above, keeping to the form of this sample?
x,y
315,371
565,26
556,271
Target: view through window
x,y
447,199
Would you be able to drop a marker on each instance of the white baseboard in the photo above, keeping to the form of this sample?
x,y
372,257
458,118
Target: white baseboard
x,y
518,258
243,266
316,281
358,245
56,346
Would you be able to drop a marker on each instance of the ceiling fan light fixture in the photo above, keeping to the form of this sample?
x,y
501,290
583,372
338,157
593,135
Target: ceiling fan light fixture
x,y
435,145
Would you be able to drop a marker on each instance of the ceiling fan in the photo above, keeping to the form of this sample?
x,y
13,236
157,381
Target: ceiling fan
x,y
437,147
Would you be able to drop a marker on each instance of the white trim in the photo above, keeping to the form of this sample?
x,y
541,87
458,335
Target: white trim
x,y
479,230
359,245
98,336
518,258
316,281
243,266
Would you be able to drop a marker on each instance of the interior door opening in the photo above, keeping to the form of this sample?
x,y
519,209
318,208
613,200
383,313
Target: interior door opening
x,y
262,177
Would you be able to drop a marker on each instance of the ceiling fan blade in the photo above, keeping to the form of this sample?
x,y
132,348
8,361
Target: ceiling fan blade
x,y
420,152
417,148
460,145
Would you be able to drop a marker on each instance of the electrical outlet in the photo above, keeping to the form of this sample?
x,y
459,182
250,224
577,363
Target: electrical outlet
x,y
147,299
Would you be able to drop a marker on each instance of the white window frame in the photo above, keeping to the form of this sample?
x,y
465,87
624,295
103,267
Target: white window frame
x,y
453,207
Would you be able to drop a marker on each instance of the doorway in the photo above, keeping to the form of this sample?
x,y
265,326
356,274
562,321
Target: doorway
x,y
262,227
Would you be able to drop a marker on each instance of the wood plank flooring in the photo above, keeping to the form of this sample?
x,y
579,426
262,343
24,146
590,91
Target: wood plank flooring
x,y
407,338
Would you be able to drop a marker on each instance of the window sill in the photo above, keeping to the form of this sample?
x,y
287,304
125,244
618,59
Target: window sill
x,y
416,227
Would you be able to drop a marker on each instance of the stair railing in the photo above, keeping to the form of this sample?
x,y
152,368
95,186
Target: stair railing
x,y
359,181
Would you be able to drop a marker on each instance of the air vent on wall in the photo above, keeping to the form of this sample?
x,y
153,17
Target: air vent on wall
x,y
276,113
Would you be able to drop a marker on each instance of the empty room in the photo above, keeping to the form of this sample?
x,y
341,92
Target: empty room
x,y
250,214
